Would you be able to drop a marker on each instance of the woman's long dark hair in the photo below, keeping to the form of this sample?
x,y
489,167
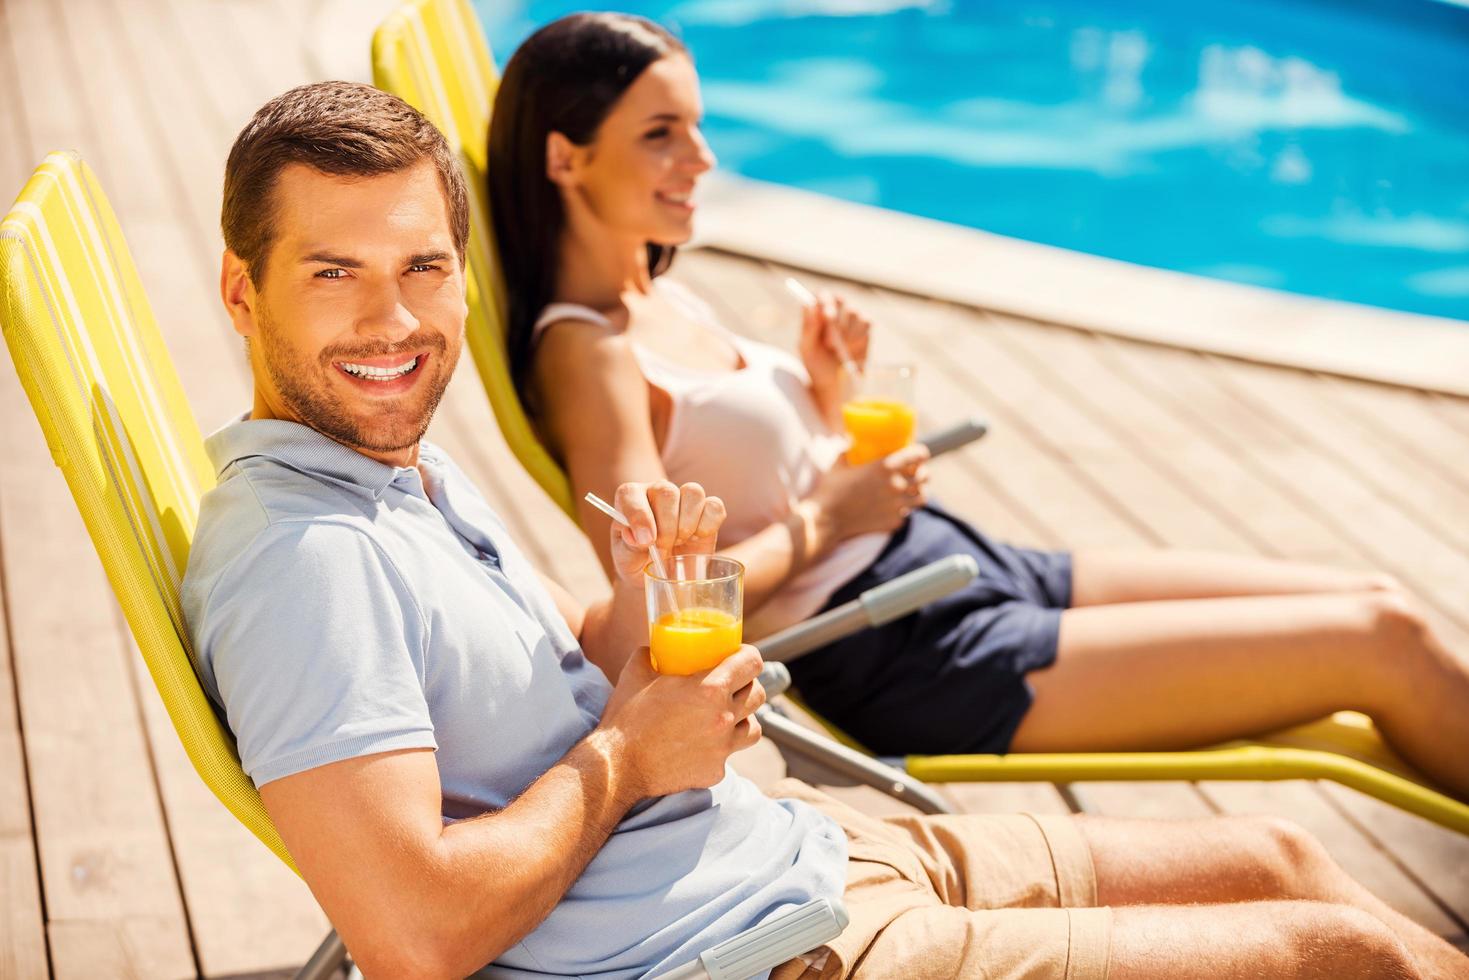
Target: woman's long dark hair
x,y
564,78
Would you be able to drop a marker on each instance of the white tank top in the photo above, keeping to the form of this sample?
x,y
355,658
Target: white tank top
x,y
753,437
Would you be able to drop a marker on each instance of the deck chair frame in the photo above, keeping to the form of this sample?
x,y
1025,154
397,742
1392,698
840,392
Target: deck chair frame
x,y
433,54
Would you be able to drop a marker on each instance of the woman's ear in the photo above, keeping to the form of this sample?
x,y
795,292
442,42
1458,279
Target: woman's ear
x,y
560,159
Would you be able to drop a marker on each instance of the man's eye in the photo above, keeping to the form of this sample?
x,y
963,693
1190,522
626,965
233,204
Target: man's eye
x,y
331,274
422,267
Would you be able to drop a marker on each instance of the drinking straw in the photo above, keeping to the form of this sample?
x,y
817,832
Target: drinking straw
x,y
616,515
808,298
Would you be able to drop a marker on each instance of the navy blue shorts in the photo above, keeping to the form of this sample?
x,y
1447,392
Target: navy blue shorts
x,y
951,677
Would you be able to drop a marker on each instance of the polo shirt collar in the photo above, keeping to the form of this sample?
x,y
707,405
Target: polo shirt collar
x,y
302,448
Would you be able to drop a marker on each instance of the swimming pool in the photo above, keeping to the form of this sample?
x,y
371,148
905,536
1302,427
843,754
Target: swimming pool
x,y
1316,146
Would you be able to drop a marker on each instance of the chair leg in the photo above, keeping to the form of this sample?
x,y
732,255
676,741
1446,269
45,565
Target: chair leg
x,y
327,959
789,736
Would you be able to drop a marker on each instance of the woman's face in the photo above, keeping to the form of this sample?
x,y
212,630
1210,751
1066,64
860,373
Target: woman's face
x,y
637,176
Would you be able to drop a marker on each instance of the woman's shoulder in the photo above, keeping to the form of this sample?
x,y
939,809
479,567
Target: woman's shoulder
x,y
559,314
581,344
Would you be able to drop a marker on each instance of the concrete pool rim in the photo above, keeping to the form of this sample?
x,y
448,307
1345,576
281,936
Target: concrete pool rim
x,y
924,257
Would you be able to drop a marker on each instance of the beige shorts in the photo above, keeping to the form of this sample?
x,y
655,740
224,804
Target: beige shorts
x,y
995,897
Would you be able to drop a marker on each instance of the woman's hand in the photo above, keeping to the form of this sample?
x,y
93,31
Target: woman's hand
x,y
826,325
877,496
677,520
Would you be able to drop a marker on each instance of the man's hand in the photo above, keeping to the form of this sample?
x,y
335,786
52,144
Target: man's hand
x,y
676,733
678,520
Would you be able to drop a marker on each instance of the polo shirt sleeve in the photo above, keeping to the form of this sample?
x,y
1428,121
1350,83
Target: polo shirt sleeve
x,y
316,646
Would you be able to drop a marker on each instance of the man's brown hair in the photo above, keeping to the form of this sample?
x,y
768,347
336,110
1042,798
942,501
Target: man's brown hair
x,y
341,128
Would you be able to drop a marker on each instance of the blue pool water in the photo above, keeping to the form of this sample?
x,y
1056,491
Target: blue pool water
x,y
1317,146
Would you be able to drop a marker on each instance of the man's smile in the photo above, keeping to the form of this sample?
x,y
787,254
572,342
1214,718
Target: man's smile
x,y
387,375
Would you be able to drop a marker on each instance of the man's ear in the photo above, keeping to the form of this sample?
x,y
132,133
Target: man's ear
x,y
237,291
561,159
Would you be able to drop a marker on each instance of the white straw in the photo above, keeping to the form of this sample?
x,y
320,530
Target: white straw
x,y
808,298
616,515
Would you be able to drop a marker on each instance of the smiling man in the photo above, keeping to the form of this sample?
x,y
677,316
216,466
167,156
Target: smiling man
x,y
435,728
429,721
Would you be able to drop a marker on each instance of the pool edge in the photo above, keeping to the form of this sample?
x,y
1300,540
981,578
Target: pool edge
x,y
932,258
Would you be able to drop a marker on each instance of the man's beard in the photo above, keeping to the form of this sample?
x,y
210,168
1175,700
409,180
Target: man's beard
x,y
306,390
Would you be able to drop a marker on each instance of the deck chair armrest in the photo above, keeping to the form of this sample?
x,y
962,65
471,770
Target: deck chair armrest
x,y
775,679
878,605
765,946
955,436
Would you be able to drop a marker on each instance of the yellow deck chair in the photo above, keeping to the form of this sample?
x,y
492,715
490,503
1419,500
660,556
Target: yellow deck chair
x,y
433,54
88,352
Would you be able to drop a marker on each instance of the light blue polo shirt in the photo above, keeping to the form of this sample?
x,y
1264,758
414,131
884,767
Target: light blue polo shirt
x,y
341,607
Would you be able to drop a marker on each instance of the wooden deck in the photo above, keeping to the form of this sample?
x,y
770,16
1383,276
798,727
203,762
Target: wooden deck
x,y
114,859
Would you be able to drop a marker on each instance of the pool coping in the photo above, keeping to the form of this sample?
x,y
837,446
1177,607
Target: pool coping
x,y
920,256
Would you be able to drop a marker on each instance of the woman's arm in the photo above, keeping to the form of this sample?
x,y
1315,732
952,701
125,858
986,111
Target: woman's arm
x,y
597,416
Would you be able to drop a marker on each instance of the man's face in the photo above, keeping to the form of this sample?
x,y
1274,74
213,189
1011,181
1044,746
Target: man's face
x,y
359,321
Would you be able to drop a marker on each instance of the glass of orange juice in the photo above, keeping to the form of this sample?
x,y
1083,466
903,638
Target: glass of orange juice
x,y
696,615
878,413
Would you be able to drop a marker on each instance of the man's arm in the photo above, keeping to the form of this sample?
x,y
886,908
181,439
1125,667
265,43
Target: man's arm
x,y
414,898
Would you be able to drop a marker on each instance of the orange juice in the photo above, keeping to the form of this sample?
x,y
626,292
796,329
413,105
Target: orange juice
x,y
694,639
877,426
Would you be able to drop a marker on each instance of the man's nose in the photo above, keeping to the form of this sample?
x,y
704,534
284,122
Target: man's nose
x,y
386,316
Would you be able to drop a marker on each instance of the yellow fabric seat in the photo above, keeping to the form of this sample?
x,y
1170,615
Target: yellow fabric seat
x,y
88,352
433,54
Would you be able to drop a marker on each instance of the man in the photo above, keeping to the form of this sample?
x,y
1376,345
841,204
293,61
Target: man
x,y
434,727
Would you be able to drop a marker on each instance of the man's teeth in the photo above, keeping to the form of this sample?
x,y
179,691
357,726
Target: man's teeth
x,y
379,373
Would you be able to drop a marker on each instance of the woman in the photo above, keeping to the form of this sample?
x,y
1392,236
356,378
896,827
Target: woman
x,y
594,152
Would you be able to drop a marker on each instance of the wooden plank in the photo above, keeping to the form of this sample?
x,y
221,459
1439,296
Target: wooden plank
x,y
23,950
1353,511
22,928
1407,420
1142,494
1272,523
1309,410
15,141
104,854
1453,409
159,226
191,137
1142,801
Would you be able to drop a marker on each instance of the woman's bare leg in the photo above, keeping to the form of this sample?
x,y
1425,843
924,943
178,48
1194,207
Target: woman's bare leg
x,y
1185,673
1100,578
1224,860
